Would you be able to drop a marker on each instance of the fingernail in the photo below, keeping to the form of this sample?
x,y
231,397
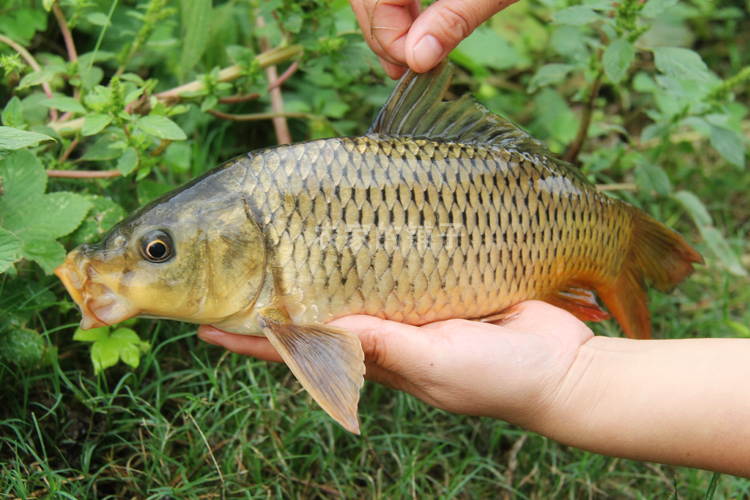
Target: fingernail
x,y
427,52
209,335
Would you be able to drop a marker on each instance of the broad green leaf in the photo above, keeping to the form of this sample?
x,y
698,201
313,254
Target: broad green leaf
x,y
98,19
196,19
694,207
13,138
680,63
91,335
104,214
729,144
13,113
577,16
617,59
549,74
104,354
472,52
722,249
653,8
95,123
650,177
128,161
103,149
21,345
10,248
37,219
161,127
44,75
64,103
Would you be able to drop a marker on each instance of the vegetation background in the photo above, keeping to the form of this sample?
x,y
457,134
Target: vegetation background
x,y
107,104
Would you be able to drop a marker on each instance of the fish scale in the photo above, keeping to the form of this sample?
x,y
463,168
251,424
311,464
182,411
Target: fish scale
x,y
417,243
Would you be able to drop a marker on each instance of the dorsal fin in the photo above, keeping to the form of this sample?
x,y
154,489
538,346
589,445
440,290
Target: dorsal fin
x,y
416,108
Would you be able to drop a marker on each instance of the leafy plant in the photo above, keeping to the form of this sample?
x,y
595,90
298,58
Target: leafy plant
x,y
112,345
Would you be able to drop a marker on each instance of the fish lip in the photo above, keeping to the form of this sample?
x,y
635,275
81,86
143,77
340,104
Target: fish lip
x,y
99,305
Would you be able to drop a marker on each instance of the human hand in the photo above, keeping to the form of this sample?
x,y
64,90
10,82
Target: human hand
x,y
512,372
400,36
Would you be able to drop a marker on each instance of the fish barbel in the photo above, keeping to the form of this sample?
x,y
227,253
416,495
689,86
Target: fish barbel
x,y
442,210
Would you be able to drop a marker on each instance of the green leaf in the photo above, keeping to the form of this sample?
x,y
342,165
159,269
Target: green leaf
x,y
653,8
37,219
161,127
98,19
10,247
729,145
95,123
13,138
617,59
13,113
45,75
64,104
21,345
549,74
196,18
91,335
104,354
577,16
680,63
128,161
472,52
694,207
650,177
721,249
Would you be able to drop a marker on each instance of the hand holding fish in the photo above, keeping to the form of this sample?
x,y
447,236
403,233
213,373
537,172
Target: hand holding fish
x,y
403,38
681,402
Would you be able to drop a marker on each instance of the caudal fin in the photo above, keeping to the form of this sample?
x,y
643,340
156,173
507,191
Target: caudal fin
x,y
658,255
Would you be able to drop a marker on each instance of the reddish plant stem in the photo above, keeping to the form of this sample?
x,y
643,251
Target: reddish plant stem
x,y
69,45
84,174
277,101
234,99
257,116
577,145
70,149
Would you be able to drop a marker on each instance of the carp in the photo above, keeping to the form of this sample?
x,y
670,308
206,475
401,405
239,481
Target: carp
x,y
442,210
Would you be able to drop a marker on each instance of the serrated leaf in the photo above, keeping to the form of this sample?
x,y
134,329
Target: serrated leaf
x,y
63,103
21,345
13,113
577,16
729,145
12,139
650,177
653,8
95,123
618,58
128,161
680,63
196,17
10,248
549,74
694,207
91,335
161,127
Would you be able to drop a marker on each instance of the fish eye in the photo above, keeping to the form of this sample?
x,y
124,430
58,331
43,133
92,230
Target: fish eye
x,y
156,247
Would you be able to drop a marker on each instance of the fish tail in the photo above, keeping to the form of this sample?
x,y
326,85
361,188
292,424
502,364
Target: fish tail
x,y
658,255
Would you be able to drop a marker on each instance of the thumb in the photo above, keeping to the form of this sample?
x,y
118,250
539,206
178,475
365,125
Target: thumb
x,y
442,26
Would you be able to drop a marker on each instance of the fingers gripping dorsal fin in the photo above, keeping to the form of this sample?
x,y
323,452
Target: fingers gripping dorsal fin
x,y
327,361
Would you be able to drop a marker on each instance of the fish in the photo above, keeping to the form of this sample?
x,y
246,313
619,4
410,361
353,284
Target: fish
x,y
441,210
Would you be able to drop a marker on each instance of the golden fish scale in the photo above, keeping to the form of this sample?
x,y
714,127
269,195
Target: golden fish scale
x,y
419,231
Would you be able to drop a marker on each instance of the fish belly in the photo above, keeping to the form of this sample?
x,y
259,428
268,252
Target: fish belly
x,y
418,231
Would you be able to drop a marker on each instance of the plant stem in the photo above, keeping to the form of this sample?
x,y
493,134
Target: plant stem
x,y
577,145
259,116
84,174
69,44
34,65
70,149
277,101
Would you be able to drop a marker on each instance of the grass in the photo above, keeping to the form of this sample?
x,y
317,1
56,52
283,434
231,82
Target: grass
x,y
196,422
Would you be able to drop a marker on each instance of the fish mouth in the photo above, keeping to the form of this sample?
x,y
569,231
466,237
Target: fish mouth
x,y
99,305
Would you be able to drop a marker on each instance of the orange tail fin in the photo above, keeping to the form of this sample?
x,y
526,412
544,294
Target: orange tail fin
x,y
658,255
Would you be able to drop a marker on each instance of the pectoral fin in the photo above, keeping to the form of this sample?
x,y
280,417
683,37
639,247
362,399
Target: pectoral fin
x,y
327,361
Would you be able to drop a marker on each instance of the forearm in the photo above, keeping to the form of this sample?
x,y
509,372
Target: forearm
x,y
682,402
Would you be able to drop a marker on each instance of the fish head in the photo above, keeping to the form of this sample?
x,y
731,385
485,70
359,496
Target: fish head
x,y
195,260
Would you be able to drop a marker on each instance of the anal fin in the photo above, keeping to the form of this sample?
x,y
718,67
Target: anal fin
x,y
327,361
579,302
